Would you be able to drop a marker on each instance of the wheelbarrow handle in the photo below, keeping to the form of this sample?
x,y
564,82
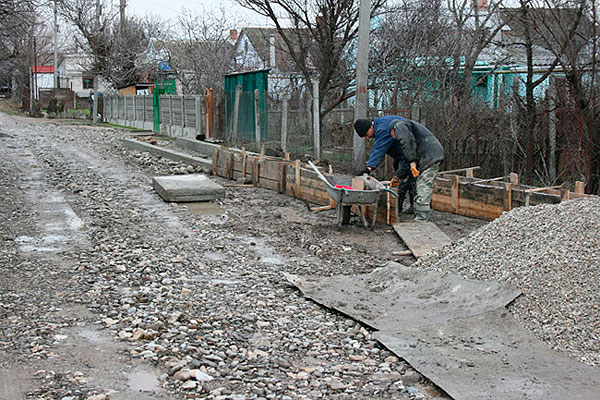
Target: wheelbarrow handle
x,y
390,191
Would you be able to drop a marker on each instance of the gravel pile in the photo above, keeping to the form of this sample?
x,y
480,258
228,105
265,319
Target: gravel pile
x,y
552,254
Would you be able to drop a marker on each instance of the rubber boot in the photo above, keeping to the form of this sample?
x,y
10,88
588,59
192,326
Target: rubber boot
x,y
411,198
422,213
401,202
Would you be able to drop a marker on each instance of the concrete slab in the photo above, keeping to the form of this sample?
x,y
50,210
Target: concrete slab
x,y
187,188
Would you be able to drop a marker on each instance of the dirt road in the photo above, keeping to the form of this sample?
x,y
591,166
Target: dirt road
x,y
107,292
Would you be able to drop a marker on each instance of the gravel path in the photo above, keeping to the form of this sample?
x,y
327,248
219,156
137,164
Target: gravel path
x,y
552,254
90,251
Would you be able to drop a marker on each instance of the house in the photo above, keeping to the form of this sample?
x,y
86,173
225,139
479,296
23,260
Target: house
x,y
264,48
42,77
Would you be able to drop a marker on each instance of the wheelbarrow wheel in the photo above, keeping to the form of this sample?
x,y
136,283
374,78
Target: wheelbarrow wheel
x,y
346,211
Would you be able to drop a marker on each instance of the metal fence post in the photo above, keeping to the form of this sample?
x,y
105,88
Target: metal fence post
x,y
257,115
284,122
316,120
199,114
236,113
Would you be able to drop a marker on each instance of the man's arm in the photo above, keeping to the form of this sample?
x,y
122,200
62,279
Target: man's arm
x,y
380,148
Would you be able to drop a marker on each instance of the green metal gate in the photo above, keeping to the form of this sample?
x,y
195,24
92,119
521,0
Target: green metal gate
x,y
246,123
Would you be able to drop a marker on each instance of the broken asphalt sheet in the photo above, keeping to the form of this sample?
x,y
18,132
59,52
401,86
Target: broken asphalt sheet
x,y
457,332
396,296
490,356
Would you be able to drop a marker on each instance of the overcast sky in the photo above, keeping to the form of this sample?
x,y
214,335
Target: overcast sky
x,y
170,9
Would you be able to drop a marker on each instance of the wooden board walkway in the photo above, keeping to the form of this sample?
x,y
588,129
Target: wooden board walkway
x,y
421,237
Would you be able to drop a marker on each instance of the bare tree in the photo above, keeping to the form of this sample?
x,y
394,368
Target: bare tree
x,y
204,53
569,29
474,27
319,42
118,52
409,49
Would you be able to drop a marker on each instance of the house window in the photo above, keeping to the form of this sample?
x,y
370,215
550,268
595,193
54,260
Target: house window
x,y
88,82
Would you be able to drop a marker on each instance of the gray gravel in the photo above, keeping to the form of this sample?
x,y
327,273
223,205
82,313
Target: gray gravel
x,y
552,254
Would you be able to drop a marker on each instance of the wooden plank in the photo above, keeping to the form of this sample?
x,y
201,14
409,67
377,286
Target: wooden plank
x,y
507,197
455,193
467,208
282,177
215,161
230,158
453,171
421,237
298,184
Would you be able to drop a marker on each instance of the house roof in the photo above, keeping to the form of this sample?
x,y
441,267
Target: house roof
x,y
43,69
549,29
260,39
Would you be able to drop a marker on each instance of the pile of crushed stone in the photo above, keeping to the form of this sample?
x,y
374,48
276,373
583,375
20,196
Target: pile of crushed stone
x,y
552,254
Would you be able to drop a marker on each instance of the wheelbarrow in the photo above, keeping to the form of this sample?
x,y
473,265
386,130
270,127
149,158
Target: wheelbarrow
x,y
345,197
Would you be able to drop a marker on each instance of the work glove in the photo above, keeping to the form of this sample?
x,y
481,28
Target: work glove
x,y
413,169
395,182
366,171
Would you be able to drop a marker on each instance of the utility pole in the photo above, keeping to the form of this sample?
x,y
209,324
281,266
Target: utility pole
x,y
122,6
55,44
361,99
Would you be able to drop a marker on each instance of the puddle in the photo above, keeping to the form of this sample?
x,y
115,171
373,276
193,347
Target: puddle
x,y
273,260
204,208
213,256
142,382
92,336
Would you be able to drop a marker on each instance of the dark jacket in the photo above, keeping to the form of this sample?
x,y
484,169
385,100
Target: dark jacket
x,y
418,143
384,143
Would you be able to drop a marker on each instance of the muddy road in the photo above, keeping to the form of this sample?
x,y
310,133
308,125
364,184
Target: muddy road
x,y
107,292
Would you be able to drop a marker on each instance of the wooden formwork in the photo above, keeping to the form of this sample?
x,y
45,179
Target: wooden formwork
x,y
465,195
488,198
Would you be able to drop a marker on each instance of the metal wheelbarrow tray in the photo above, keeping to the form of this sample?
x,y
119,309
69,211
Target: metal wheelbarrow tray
x,y
345,198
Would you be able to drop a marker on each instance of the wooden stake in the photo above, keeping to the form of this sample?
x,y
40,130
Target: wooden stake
x,y
455,193
388,201
215,161
298,187
256,172
230,165
287,156
507,196
513,178
244,162
282,177
565,195
470,173
579,187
